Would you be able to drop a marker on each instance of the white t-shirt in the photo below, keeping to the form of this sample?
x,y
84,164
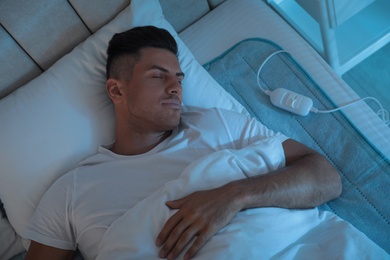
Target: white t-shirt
x,y
80,206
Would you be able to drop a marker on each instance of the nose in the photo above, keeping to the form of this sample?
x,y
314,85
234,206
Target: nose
x,y
174,86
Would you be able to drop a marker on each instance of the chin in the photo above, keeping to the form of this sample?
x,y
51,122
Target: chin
x,y
174,124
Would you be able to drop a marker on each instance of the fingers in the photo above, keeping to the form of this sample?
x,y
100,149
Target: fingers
x,y
176,204
199,216
198,244
180,238
171,223
175,235
177,241
173,204
178,232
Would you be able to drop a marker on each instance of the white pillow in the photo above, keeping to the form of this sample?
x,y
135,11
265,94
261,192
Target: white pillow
x,y
61,117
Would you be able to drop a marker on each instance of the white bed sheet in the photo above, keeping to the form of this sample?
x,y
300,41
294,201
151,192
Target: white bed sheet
x,y
220,29
290,234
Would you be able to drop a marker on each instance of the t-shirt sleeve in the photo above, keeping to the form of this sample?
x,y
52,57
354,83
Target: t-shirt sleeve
x,y
245,130
51,223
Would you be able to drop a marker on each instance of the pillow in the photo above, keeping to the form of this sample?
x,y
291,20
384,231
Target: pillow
x,y
62,116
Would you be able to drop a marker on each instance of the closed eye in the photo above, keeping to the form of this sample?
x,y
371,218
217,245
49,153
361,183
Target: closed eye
x,y
159,76
161,73
180,81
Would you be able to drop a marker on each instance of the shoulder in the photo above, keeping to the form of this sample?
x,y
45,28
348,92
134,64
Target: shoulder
x,y
239,126
103,155
219,116
210,119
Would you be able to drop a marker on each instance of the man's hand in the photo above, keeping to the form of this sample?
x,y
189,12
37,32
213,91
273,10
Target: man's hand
x,y
308,180
199,216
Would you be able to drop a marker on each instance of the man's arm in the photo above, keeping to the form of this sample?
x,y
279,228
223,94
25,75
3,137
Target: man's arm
x,y
308,180
39,251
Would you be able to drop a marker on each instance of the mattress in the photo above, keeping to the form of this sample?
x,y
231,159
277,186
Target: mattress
x,y
365,176
219,30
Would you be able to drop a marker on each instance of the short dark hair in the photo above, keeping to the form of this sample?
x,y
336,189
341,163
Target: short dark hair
x,y
129,43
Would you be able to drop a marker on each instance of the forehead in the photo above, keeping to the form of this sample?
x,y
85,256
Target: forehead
x,y
156,56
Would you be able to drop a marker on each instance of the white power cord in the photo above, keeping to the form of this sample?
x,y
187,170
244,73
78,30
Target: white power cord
x,y
382,113
302,105
263,64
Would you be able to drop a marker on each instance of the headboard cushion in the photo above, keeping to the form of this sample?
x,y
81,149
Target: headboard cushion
x,y
62,116
97,13
16,67
57,34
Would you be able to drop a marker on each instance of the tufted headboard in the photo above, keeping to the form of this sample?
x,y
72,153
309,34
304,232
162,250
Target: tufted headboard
x,y
32,39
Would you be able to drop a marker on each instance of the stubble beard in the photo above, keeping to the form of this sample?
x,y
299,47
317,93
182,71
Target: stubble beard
x,y
149,121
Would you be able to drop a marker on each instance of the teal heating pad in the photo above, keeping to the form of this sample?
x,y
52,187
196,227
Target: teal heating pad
x,y
365,173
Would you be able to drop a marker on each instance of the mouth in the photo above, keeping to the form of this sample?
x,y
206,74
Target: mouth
x,y
172,103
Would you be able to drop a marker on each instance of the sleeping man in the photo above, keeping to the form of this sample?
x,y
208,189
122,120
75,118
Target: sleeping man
x,y
155,141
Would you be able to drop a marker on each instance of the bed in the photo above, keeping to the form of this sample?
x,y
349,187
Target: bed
x,y
54,111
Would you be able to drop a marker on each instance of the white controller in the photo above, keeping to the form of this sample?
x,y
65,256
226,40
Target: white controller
x,y
291,101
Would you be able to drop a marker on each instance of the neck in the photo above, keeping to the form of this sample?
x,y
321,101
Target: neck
x,y
133,143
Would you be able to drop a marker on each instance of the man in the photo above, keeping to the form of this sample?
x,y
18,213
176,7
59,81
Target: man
x,y
155,141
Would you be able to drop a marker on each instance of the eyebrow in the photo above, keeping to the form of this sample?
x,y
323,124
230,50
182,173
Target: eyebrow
x,y
178,74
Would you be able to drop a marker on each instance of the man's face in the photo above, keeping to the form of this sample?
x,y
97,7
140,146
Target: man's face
x,y
154,92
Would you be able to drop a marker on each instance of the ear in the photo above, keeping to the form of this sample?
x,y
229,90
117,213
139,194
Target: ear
x,y
114,90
